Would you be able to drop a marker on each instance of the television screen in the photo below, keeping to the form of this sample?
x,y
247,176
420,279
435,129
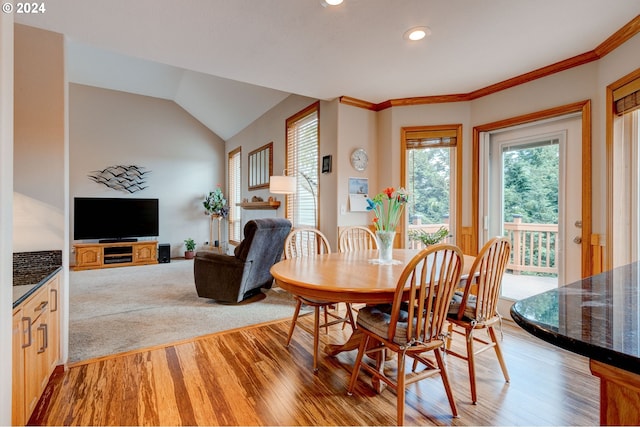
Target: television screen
x,y
114,218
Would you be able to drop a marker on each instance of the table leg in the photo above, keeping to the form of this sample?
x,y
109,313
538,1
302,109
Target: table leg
x,y
352,344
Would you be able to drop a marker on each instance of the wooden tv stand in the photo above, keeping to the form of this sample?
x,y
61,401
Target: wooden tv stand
x,y
117,254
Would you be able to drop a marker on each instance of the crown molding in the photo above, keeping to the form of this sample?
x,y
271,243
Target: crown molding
x,y
609,45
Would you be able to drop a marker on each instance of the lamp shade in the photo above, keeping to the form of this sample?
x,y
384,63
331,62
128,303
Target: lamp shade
x,y
282,184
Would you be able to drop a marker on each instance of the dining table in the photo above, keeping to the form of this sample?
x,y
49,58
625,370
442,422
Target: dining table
x,y
350,277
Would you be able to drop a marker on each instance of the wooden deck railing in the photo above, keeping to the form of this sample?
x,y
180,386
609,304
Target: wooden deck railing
x,y
533,246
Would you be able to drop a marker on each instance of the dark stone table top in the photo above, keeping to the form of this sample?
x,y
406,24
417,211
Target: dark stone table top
x,y
597,317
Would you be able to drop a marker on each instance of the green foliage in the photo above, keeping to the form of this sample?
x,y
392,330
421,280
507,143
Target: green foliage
x,y
429,238
531,184
215,203
429,176
190,244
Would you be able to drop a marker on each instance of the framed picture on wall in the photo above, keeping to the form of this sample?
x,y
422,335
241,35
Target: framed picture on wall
x,y
326,164
260,167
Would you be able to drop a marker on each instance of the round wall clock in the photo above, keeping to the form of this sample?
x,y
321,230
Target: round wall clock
x,y
359,159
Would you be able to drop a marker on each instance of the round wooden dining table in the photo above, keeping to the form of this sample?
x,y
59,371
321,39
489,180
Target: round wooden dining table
x,y
353,277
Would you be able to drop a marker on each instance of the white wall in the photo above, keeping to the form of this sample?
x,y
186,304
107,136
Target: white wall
x,y
6,213
39,133
356,129
185,159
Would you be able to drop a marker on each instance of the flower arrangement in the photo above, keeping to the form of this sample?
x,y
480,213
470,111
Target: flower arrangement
x,y
387,208
215,203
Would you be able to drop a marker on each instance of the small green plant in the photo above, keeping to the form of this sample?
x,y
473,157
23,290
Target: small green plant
x,y
190,244
429,238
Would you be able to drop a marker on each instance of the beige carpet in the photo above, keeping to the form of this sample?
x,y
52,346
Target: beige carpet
x,y
128,308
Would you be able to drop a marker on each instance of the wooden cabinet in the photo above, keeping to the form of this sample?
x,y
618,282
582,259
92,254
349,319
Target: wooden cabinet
x,y
104,255
17,404
36,347
89,256
145,254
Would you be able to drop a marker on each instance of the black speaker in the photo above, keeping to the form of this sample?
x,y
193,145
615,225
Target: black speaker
x,y
164,253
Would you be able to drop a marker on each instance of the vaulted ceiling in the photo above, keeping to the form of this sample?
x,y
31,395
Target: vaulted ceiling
x,y
227,62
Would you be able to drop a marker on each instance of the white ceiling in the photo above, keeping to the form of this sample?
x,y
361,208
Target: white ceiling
x,y
228,61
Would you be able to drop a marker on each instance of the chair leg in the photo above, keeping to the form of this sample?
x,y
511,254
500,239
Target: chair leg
x,y
400,388
350,316
326,319
293,322
471,362
503,365
445,380
449,338
356,365
316,335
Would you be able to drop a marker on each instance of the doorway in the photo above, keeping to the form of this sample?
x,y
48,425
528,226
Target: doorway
x,y
532,194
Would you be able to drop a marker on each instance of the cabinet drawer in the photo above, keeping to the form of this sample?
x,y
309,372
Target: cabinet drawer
x,y
36,304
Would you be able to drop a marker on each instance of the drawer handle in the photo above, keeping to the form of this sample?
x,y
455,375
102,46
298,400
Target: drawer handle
x,y
42,306
45,342
29,323
55,299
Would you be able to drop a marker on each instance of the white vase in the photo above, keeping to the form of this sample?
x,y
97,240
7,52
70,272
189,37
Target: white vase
x,y
385,245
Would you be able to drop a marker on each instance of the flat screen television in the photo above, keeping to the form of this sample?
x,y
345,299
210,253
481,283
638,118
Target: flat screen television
x,y
113,219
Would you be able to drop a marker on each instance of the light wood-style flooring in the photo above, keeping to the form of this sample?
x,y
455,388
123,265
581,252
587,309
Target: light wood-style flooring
x,y
248,377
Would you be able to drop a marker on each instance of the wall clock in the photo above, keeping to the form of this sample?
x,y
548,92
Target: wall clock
x,y
359,159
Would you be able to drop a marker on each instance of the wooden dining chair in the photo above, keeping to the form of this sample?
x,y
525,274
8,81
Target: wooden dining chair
x,y
310,242
356,238
475,307
413,326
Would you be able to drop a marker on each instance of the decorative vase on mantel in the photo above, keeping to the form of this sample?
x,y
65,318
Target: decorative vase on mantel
x,y
385,245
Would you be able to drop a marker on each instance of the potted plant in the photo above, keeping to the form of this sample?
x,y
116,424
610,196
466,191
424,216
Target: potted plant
x,y
429,238
215,203
190,246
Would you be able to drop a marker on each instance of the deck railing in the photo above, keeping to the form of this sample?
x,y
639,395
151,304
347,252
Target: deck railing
x,y
533,246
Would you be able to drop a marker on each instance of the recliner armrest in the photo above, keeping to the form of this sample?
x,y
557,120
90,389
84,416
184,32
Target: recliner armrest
x,y
217,258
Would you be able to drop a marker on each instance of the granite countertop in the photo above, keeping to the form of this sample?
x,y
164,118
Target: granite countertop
x,y
597,317
32,270
36,278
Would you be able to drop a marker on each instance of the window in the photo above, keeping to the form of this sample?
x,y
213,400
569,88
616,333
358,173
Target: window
x,y
233,169
430,158
625,171
302,162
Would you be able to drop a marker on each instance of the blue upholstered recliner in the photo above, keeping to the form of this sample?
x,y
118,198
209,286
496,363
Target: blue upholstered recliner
x,y
235,278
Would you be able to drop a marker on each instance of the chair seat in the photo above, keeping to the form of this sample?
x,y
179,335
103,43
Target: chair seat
x,y
470,309
377,318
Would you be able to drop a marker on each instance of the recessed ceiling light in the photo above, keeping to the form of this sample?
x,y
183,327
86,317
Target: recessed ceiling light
x,y
326,3
417,33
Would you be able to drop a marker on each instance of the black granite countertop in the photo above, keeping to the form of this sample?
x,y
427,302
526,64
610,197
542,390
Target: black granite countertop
x,y
22,292
32,270
597,317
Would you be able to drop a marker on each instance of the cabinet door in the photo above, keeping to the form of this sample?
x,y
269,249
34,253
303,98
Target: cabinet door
x,y
17,406
53,348
145,253
35,318
90,256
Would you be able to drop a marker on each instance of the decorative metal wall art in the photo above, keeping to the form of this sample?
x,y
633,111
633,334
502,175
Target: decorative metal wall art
x,y
129,179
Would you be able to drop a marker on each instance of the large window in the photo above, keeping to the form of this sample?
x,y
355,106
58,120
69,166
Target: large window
x,y
624,222
431,177
302,162
235,219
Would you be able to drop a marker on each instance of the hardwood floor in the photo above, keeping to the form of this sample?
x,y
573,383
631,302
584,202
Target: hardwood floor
x,y
248,377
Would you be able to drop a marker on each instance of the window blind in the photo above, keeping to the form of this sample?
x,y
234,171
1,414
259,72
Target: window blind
x,y
627,98
430,138
302,162
235,212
